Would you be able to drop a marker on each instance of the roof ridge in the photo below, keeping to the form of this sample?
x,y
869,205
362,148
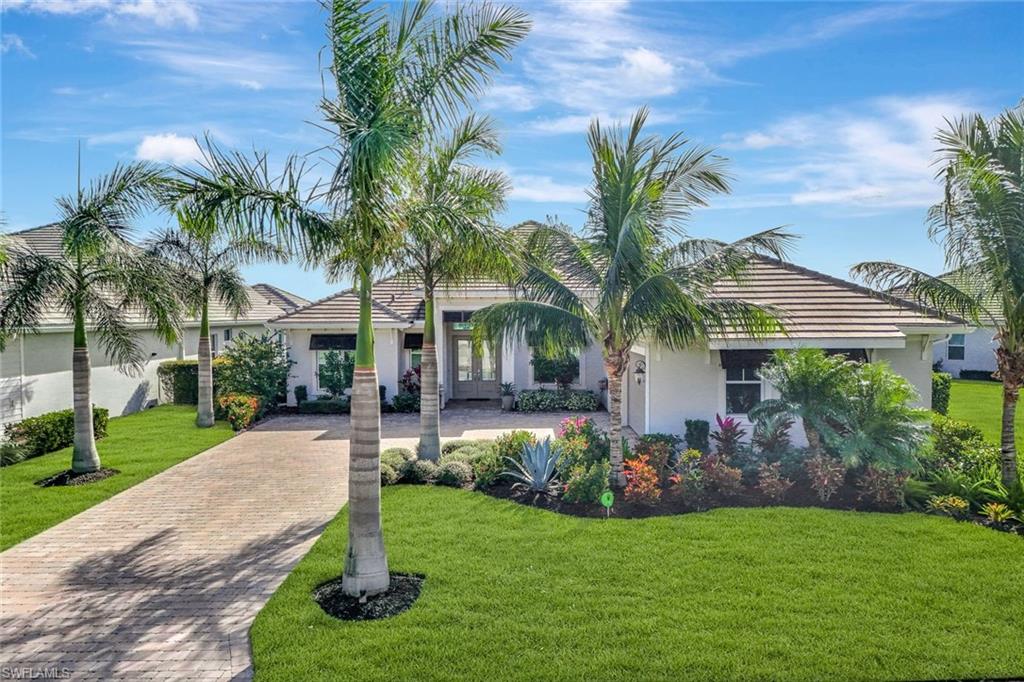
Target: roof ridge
x,y
32,229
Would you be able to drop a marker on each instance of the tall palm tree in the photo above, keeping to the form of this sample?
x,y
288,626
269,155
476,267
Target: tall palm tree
x,y
981,225
626,279
206,265
100,281
397,77
447,207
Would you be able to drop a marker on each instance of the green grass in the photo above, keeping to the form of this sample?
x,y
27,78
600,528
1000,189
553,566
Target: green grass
x,y
516,593
981,404
139,445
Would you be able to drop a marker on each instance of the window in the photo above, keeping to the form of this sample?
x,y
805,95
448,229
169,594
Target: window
x,y
213,343
742,389
227,335
415,358
563,371
321,358
955,347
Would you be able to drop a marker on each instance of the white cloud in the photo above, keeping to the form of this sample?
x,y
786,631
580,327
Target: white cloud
x,y
873,154
169,148
67,91
13,42
543,188
509,98
160,12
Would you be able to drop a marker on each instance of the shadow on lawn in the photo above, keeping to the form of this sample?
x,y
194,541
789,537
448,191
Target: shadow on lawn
x,y
132,611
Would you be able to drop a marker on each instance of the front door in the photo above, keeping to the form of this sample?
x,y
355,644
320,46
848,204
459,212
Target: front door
x,y
476,376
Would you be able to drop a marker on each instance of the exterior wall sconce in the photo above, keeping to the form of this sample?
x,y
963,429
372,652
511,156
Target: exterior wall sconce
x,y
602,385
640,371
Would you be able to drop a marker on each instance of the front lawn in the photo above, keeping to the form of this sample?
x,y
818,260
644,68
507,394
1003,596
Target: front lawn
x,y
981,404
516,593
139,445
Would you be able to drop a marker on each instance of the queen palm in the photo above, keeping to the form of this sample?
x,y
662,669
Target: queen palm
x,y
627,279
981,225
206,266
100,281
396,78
447,208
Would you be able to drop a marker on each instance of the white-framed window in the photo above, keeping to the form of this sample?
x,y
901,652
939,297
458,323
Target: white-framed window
x,y
743,389
227,336
321,358
413,358
213,343
545,371
956,347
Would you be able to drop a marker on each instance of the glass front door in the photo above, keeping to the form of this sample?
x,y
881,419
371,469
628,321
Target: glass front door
x,y
476,376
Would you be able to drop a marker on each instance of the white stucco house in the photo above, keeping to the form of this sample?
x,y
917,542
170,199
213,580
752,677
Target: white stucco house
x,y
663,387
35,369
975,350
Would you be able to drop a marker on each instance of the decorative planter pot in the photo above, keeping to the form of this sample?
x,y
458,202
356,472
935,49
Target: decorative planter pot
x,y
506,402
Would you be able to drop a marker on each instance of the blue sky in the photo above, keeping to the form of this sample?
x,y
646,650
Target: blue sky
x,y
826,110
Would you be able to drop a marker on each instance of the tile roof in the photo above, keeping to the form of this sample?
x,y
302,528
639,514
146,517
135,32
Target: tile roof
x,y
46,241
285,300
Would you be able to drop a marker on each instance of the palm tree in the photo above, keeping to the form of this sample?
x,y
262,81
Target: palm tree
x,y
206,265
447,208
981,225
625,280
100,281
396,78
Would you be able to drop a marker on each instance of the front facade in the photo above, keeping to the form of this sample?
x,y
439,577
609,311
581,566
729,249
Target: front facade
x,y
662,387
35,369
973,352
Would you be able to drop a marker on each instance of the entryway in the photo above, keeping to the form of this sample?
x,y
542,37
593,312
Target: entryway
x,y
475,376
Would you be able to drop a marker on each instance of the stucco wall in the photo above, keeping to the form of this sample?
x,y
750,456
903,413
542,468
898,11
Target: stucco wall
x,y
387,348
979,353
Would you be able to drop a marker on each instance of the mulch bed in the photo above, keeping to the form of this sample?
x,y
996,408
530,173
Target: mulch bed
x,y
69,477
403,592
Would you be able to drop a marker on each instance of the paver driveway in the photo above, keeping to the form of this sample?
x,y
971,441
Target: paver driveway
x,y
163,580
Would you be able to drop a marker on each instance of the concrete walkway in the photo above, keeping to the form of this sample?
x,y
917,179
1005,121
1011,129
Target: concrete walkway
x,y
163,581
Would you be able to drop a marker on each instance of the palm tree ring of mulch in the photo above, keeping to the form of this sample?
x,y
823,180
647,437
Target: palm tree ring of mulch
x,y
402,593
69,477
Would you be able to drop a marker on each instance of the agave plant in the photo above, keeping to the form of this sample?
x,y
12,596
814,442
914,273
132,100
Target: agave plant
x,y
537,466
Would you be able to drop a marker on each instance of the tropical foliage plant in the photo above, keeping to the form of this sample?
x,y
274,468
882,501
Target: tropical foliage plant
x,y
536,467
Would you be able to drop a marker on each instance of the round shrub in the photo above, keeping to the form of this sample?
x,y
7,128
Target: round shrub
x,y
388,475
467,454
453,445
455,474
487,469
419,471
396,457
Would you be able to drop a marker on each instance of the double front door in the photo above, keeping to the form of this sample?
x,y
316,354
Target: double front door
x,y
476,376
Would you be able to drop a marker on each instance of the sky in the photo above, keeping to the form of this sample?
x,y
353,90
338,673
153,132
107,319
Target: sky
x,y
826,111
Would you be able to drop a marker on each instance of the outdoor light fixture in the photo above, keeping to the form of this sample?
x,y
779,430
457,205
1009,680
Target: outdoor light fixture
x,y
640,371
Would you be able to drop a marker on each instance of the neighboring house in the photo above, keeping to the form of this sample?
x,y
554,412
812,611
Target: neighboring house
x,y
973,351
662,388
285,300
35,369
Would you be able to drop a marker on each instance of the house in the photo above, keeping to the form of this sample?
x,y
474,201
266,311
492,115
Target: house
x,y
972,354
663,388
35,369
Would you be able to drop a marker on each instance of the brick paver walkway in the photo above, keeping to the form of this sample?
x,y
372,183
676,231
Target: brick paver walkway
x,y
162,581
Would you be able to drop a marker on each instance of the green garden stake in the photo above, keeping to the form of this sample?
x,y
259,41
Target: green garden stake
x,y
607,498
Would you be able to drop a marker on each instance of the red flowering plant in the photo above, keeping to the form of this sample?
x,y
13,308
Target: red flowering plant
x,y
240,408
641,480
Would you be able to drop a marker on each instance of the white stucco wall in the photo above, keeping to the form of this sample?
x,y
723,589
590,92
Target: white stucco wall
x,y
387,349
979,353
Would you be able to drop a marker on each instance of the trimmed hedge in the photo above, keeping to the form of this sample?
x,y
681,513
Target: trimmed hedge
x,y
544,400
52,431
941,384
333,406
977,375
179,380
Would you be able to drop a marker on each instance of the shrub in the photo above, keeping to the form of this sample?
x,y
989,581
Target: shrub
x,y
719,476
51,431
977,375
697,432
11,453
728,436
301,395
771,434
997,512
826,474
335,374
256,365
511,444
942,382
960,446
536,467
545,400
454,474
406,402
468,453
949,505
332,406
240,409
657,454
884,487
388,474
410,382
396,457
771,482
453,445
641,481
179,380
418,471
586,483
486,469
688,475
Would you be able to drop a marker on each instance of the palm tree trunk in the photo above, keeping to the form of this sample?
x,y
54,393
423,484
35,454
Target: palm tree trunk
x,y
204,409
85,458
813,438
614,367
366,563
430,400
1008,444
